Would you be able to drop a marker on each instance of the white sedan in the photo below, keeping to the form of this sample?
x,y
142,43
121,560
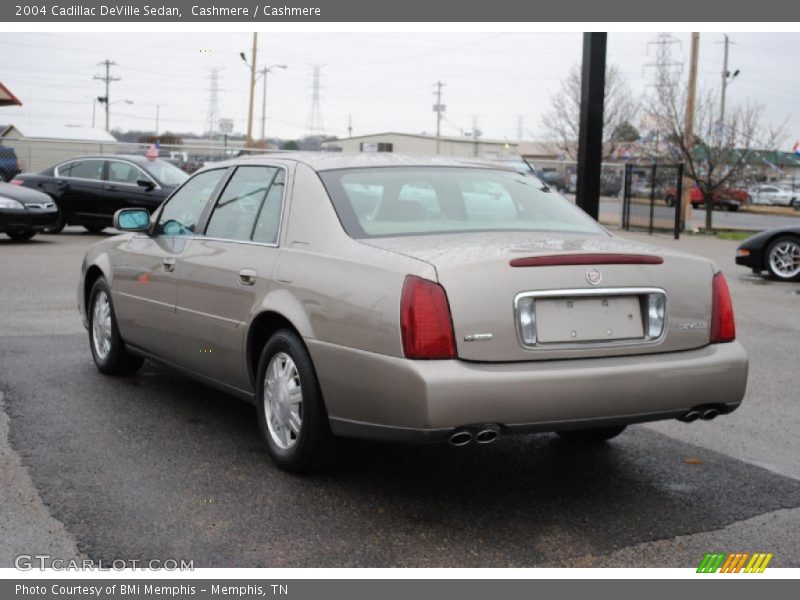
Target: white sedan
x,y
772,194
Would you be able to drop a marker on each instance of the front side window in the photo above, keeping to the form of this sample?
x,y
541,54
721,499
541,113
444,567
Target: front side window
x,y
238,208
394,201
182,212
82,169
123,172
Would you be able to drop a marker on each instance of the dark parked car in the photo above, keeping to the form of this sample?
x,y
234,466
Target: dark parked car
x,y
24,212
90,189
9,163
776,251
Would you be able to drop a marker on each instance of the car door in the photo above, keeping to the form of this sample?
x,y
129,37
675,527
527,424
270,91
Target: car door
x,y
78,188
123,189
225,273
144,286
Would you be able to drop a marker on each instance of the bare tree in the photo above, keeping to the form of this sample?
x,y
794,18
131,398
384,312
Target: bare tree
x,y
721,150
561,123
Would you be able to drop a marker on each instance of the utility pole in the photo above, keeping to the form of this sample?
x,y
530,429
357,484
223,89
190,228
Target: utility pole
x,y
158,109
349,125
264,72
249,140
688,128
107,79
724,81
438,108
475,134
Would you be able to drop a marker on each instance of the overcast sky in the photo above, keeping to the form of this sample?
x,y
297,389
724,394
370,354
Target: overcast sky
x,y
385,81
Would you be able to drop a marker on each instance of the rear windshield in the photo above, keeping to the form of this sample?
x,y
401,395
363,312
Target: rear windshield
x,y
396,201
166,173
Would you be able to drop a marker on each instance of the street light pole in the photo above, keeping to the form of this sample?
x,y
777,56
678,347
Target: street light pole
x,y
263,73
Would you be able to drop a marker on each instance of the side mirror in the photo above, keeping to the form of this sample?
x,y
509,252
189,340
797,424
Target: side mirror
x,y
132,219
146,184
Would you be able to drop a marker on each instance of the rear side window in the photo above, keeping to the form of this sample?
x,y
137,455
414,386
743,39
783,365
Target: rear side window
x,y
183,210
82,169
241,205
397,201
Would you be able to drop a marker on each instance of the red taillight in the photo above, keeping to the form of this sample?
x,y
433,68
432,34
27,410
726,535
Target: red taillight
x,y
425,320
723,329
17,181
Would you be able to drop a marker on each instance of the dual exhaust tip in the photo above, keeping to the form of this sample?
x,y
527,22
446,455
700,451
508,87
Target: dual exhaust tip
x,y
482,434
701,412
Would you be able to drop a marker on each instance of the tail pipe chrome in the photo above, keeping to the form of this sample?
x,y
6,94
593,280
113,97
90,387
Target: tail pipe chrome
x,y
461,437
706,413
486,434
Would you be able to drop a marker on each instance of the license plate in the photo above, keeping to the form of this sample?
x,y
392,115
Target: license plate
x,y
565,320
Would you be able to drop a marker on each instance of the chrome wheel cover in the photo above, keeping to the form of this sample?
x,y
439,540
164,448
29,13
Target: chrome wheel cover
x,y
784,259
101,325
283,401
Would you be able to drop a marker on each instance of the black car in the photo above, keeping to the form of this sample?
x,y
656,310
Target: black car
x,y
90,189
776,251
24,212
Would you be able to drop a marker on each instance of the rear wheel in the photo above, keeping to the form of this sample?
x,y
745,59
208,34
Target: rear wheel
x,y
108,350
94,228
21,235
591,436
783,258
291,412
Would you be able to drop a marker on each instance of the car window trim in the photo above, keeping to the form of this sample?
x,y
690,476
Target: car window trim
x,y
217,197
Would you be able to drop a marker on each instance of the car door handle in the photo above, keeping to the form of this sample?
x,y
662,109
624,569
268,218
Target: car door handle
x,y
247,277
169,265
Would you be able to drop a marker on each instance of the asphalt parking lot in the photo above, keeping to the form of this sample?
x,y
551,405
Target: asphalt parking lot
x,y
158,466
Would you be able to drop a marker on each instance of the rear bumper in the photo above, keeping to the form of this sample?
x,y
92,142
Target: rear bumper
x,y
379,397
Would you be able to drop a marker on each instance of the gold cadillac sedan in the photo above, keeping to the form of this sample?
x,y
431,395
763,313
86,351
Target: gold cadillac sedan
x,y
409,299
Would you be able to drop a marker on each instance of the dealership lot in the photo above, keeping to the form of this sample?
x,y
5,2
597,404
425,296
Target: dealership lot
x,y
157,466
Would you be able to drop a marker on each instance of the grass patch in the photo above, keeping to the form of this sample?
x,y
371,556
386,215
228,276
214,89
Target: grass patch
x,y
736,236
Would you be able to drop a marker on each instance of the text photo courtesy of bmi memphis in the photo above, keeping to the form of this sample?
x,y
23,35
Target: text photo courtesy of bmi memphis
x,y
377,300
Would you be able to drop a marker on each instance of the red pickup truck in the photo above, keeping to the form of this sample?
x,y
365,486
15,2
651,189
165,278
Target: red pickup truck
x,y
725,198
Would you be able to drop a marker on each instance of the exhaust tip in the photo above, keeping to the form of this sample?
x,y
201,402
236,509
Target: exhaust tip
x,y
460,438
690,416
486,436
709,414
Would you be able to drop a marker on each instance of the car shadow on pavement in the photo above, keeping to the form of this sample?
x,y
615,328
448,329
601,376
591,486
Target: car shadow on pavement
x,y
156,465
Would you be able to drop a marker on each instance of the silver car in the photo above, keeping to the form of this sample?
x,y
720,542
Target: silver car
x,y
408,299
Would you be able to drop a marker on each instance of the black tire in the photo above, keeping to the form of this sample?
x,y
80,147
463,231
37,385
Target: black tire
x,y
60,223
782,240
117,360
21,235
310,448
94,228
591,436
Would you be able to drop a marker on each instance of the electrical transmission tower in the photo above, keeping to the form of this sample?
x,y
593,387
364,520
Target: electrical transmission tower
x,y
212,116
667,70
315,114
107,79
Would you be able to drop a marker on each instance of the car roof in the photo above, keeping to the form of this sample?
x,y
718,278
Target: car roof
x,y
134,158
329,161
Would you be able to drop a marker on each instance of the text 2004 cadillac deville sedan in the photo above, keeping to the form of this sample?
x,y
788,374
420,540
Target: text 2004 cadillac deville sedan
x,y
408,299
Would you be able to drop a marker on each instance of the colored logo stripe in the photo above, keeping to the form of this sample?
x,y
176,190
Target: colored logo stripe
x,y
734,563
